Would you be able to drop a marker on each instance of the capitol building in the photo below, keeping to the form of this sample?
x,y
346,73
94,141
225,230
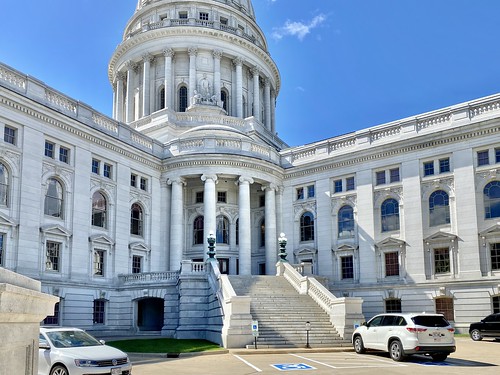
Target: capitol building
x,y
114,214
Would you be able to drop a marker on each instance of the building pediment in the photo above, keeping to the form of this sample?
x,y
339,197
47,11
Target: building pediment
x,y
346,247
305,251
56,230
491,231
138,246
101,239
7,221
390,242
440,237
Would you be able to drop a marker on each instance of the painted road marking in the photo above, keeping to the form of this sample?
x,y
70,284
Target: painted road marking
x,y
367,360
248,364
293,367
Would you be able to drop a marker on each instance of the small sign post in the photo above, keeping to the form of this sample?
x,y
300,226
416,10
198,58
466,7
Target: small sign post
x,y
255,331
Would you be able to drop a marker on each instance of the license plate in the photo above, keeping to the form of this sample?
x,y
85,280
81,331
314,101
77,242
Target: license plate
x,y
436,336
116,371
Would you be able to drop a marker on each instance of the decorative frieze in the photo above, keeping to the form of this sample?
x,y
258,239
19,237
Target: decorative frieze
x,y
447,184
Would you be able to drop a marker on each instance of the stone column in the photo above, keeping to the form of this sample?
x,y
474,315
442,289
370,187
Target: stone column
x,y
217,83
176,223
209,208
256,93
120,77
273,112
279,210
129,104
245,232
193,52
169,87
146,82
271,233
267,104
238,63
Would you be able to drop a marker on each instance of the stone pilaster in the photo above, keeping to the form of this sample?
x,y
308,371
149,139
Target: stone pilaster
x,y
256,93
146,83
217,54
267,104
238,63
209,208
245,242
193,52
169,95
271,233
177,223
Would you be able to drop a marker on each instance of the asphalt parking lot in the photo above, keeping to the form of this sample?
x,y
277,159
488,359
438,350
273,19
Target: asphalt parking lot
x,y
470,356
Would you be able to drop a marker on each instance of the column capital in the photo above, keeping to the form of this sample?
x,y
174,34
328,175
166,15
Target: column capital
x,y
120,76
217,53
270,186
206,177
255,71
245,180
131,65
193,51
238,61
177,180
168,52
148,57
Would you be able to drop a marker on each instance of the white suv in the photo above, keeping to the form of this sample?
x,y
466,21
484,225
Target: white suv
x,y
405,334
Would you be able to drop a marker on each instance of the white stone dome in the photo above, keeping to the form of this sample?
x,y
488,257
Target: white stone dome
x,y
244,6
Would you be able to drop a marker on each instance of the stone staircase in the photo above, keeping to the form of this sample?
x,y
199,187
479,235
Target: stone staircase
x,y
282,314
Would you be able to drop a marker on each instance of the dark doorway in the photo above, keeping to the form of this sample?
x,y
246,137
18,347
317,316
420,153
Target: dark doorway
x,y
150,314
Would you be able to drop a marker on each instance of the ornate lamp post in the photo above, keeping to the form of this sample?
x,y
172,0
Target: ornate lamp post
x,y
211,245
282,243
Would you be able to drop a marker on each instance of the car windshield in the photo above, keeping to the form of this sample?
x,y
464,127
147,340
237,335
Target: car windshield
x,y
71,339
430,321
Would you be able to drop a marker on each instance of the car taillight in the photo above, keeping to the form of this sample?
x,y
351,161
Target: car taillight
x,y
416,330
451,330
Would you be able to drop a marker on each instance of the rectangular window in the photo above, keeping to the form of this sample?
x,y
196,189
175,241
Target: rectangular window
x,y
9,135
495,256
445,306
53,254
495,301
497,155
428,168
483,158
95,166
380,178
204,16
99,263
347,264
223,21
199,197
393,305
300,193
53,320
221,197
49,149
392,264
99,311
136,264
2,250
133,180
442,260
310,191
337,186
444,165
394,175
64,154
144,184
183,15
262,201
107,170
349,184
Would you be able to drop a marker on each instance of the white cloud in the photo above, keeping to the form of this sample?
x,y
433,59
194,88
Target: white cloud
x,y
298,29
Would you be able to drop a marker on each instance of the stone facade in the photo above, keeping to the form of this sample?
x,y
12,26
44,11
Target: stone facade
x,y
104,211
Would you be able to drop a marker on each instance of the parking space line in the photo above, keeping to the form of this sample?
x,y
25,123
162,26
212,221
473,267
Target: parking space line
x,y
386,363
248,363
312,360
378,359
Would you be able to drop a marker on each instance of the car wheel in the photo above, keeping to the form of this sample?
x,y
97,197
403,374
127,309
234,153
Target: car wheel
x,y
476,335
358,345
59,370
396,351
438,357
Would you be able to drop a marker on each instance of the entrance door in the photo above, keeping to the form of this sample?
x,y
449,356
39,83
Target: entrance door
x,y
223,265
150,314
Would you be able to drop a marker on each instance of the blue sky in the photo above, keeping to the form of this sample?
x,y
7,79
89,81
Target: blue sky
x,y
345,64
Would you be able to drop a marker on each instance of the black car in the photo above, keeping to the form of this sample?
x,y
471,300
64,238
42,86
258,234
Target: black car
x,y
487,327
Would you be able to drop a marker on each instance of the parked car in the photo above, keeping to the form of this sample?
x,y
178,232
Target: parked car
x,y
487,327
404,334
72,351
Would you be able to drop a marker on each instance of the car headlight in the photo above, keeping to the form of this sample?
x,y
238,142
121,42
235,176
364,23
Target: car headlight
x,y
86,363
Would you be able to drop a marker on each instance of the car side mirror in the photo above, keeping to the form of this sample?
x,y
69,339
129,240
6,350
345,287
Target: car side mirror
x,y
364,324
43,345
102,342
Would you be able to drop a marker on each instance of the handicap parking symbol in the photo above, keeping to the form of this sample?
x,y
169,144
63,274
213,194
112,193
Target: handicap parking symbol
x,y
293,367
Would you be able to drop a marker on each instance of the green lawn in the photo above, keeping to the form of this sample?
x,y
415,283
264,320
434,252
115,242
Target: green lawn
x,y
164,345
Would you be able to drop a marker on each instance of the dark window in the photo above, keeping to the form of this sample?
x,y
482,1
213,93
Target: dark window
x,y
221,197
99,311
136,220
349,184
98,263
300,193
4,185
347,264
144,184
380,177
183,98
99,207
445,306
53,254
442,260
199,197
49,149
431,320
183,15
237,235
439,208
162,98
222,235
107,170
391,264
53,205
64,154
307,227
497,155
394,175
310,191
2,249
495,301
495,256
223,21
483,158
444,165
223,98
263,233
198,235
133,180
393,305
346,222
428,168
203,16
136,264
390,215
262,201
492,200
95,166
337,186
52,320
9,135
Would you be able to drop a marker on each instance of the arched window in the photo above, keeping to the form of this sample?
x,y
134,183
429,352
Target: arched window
x,y
439,208
492,200
307,227
4,185
198,235
390,215
346,222
263,233
53,205
99,208
136,220
224,98
162,98
183,99
222,234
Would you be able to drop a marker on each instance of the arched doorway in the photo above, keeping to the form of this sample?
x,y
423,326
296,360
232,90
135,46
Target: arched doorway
x,y
150,314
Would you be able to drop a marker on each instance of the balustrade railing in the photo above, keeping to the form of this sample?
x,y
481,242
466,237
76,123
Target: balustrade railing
x,y
149,277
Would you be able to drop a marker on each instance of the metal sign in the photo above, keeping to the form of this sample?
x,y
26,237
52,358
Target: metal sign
x,y
255,328
293,367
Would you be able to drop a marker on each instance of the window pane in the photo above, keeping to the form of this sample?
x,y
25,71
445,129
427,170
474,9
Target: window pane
x,y
492,200
222,235
4,185
495,256
380,178
98,210
53,205
444,165
95,166
198,236
136,220
349,184
300,193
347,267
9,135
483,158
442,260
53,320
393,305
99,306
346,222
49,149
183,96
64,155
337,186
392,264
390,215
495,301
98,263
52,256
439,209
310,191
136,264
394,175
107,171
428,168
2,250
445,306
307,227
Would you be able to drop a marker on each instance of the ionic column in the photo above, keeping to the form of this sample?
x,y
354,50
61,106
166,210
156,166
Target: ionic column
x,y
193,52
129,103
169,87
279,209
217,56
238,63
209,208
267,104
256,93
176,223
146,97
120,77
273,112
245,232
271,233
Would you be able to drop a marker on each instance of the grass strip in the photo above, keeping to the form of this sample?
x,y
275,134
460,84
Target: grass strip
x,y
164,345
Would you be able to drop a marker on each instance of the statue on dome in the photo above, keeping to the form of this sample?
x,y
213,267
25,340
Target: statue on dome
x,y
205,89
